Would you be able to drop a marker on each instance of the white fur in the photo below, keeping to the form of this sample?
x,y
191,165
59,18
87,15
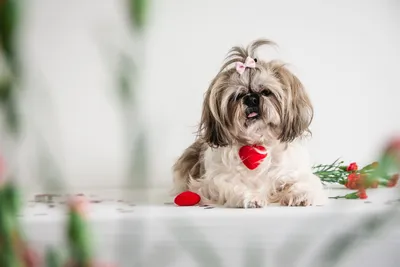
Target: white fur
x,y
284,176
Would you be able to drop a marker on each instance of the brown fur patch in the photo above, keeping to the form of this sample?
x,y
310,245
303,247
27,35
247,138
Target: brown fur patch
x,y
189,166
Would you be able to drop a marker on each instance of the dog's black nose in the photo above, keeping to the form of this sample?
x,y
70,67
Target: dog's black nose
x,y
251,100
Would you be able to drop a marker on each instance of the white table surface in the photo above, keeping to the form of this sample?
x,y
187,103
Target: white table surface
x,y
138,231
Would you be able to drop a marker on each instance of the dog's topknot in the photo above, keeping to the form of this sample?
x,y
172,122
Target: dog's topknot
x,y
238,53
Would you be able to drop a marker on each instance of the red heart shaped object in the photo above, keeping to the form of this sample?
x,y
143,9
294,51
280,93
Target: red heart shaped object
x,y
187,198
251,157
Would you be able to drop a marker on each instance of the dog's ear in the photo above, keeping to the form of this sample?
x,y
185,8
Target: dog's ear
x,y
299,111
211,128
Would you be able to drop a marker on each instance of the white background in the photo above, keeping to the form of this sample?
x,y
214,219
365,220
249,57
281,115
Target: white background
x,y
345,52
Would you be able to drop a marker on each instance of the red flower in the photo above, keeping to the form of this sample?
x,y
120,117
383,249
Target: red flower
x,y
356,181
353,181
352,167
362,194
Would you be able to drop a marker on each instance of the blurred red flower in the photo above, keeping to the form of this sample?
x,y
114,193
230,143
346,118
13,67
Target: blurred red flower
x,y
393,181
362,194
352,167
394,144
354,181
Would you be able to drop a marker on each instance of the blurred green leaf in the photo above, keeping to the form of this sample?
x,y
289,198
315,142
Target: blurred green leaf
x,y
9,203
125,85
78,239
8,93
138,12
11,197
8,21
8,104
53,259
139,166
12,116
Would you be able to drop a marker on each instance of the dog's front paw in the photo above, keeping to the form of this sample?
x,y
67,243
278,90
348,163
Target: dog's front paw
x,y
291,200
302,194
254,202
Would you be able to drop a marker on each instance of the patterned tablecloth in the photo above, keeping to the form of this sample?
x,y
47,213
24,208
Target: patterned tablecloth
x,y
146,229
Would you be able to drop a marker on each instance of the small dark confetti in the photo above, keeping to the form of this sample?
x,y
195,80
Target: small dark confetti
x,y
47,198
169,203
95,201
202,206
52,206
120,200
208,208
367,202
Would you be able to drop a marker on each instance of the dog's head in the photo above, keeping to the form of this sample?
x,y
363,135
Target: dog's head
x,y
254,102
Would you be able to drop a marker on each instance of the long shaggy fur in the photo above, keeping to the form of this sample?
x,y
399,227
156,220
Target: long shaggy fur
x,y
211,165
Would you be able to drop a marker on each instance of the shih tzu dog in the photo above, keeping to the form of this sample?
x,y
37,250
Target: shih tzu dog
x,y
248,152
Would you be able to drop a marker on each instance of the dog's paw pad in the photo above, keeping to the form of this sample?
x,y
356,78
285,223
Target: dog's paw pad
x,y
295,201
255,203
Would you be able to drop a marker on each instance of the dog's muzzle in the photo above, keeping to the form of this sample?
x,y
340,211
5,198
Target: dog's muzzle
x,y
252,101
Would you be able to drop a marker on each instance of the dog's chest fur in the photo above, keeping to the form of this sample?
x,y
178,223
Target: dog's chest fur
x,y
225,164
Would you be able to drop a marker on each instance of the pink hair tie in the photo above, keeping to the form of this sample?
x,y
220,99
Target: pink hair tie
x,y
249,63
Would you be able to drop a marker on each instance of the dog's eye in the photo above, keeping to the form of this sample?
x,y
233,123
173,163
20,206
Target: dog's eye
x,y
266,92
